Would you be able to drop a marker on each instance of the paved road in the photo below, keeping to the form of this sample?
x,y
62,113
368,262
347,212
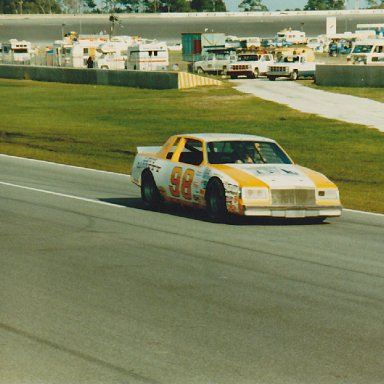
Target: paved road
x,y
45,29
327,104
95,289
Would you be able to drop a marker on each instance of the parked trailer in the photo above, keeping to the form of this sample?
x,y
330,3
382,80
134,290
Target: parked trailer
x,y
197,45
291,36
76,53
113,54
148,57
373,30
16,51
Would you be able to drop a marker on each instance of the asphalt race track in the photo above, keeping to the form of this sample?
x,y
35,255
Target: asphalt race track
x,y
45,29
96,289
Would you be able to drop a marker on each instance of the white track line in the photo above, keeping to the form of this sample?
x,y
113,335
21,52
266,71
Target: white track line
x,y
60,194
120,174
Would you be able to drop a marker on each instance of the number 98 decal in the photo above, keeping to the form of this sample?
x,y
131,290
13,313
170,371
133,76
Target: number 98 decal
x,y
181,184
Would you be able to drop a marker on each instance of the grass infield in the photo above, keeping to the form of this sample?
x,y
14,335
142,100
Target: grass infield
x,y
101,126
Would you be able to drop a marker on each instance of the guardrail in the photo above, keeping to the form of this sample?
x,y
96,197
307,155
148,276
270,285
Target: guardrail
x,y
371,76
134,79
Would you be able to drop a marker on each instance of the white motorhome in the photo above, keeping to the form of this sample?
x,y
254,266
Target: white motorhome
x,y
16,51
76,53
148,57
113,54
291,36
368,52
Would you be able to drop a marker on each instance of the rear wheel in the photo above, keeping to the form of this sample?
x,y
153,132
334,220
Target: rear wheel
x,y
271,78
215,200
149,192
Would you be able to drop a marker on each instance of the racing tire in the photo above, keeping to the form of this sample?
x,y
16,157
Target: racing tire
x,y
215,201
149,192
294,76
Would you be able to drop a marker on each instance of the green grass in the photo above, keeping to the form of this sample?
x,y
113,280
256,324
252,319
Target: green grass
x,y
100,127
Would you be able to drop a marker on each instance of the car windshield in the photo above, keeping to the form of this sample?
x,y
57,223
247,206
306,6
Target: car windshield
x,y
362,48
251,152
248,58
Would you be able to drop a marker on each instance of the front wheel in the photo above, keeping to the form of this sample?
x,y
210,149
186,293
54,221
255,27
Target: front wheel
x,y
149,192
294,75
215,200
200,71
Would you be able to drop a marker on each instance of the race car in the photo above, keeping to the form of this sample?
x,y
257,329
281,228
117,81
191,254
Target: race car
x,y
232,174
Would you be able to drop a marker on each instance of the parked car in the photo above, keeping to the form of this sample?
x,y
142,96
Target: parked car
x,y
250,65
292,67
214,63
232,174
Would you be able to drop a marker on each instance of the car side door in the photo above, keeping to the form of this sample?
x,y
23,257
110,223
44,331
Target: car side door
x,y
182,172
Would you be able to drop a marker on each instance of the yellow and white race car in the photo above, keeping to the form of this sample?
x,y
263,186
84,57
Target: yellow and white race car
x,y
232,173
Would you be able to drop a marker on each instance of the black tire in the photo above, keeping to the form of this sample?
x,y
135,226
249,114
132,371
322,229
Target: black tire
x,y
215,201
271,78
149,192
294,75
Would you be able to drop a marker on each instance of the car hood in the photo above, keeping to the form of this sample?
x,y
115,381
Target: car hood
x,y
278,175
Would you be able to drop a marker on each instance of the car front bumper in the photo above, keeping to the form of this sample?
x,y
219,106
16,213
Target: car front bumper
x,y
292,212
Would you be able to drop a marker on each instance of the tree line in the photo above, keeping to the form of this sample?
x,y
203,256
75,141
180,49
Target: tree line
x,y
153,6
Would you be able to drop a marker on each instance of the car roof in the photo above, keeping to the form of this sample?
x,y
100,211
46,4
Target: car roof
x,y
226,137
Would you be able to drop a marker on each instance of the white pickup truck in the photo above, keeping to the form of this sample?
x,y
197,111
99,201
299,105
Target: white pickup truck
x,y
214,63
250,65
292,67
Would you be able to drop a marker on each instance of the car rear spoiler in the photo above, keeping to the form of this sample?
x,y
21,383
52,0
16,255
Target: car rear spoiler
x,y
148,149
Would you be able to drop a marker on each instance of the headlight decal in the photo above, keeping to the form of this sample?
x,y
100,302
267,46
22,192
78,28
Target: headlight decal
x,y
255,194
327,194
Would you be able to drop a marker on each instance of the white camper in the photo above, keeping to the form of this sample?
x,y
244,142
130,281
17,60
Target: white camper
x,y
16,51
76,53
291,36
148,57
113,54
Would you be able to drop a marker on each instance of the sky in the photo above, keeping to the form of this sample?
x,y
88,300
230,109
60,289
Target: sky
x,y
273,5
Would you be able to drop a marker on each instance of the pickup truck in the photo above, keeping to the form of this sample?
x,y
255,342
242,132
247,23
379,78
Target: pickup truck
x,y
292,67
250,65
214,63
